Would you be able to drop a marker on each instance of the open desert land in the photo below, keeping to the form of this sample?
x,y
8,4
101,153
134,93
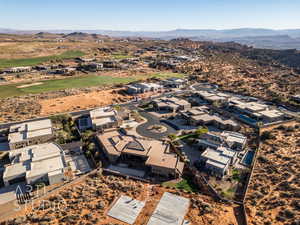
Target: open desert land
x,y
273,195
97,193
237,69
42,51
274,191
87,100
149,112
61,95
35,48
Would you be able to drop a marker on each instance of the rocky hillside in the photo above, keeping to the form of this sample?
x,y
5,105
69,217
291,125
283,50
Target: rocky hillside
x,y
274,192
270,74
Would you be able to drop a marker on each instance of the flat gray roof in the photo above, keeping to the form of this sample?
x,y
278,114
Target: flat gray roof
x,y
14,170
126,209
24,131
170,210
271,113
31,126
102,112
34,160
79,164
221,155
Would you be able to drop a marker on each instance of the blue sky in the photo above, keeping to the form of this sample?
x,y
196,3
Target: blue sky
x,y
149,15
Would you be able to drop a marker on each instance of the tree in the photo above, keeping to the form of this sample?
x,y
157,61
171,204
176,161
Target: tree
x,y
201,130
88,154
86,135
172,136
266,135
259,123
61,139
117,107
91,147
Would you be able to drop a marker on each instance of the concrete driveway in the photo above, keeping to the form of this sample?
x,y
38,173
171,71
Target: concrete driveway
x,y
8,194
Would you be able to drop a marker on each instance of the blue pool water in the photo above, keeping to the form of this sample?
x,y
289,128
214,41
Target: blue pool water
x,y
247,119
247,160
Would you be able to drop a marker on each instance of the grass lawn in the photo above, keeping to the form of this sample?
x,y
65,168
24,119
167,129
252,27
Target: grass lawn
x,y
199,131
186,136
236,175
75,82
184,184
168,75
5,63
120,56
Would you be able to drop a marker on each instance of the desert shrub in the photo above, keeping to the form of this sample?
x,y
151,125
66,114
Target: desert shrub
x,y
296,204
296,193
266,135
287,213
290,129
296,222
260,213
257,195
262,159
285,195
280,218
281,127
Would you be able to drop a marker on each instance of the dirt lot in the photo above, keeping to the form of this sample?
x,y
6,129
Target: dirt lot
x,y
12,50
81,101
86,100
274,191
88,201
36,105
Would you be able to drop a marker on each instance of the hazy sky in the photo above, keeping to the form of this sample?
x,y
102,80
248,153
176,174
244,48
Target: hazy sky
x,y
149,14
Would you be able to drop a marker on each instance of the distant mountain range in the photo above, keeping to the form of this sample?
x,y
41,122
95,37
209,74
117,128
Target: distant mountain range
x,y
260,38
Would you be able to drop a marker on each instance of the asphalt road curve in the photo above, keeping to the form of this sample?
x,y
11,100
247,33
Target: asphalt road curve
x,y
153,120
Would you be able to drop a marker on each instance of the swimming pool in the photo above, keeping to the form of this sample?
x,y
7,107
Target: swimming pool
x,y
247,119
248,158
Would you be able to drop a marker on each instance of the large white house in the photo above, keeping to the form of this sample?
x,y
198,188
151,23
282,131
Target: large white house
x,y
143,87
217,161
220,150
30,133
103,118
36,163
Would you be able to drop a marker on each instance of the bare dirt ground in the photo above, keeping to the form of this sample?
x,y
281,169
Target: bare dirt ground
x,y
88,201
86,101
37,105
81,101
14,50
274,191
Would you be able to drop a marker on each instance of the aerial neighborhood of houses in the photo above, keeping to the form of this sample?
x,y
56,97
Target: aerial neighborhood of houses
x,y
182,128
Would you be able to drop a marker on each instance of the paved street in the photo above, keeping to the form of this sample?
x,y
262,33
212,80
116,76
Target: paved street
x,y
152,120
